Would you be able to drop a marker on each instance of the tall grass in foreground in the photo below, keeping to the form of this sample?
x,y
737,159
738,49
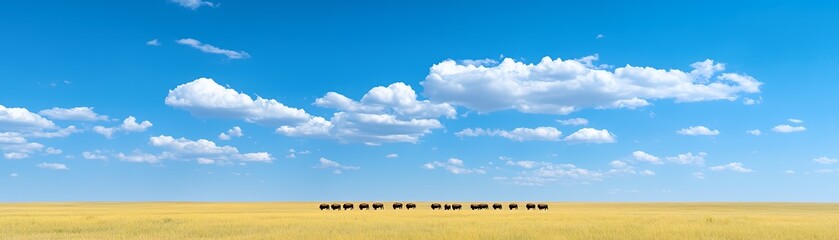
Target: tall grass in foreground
x,y
305,221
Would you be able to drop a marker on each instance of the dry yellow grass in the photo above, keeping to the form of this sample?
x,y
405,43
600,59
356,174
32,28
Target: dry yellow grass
x,y
305,221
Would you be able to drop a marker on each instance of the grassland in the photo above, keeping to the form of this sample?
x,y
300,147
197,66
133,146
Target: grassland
x,y
305,221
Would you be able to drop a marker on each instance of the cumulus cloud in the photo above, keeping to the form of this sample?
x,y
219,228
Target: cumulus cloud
x,y
573,121
392,156
337,167
194,4
591,135
755,132
207,48
689,158
557,86
130,124
53,166
15,146
824,160
204,97
735,166
15,155
698,131
453,165
153,42
646,157
140,157
647,173
233,132
53,151
518,134
76,113
95,155
751,101
794,120
784,128
21,119
182,148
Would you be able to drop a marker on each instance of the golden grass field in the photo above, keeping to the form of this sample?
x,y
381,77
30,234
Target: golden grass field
x,y
304,221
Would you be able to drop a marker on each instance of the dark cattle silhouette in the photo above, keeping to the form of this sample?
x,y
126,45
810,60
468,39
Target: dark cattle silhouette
x,y
324,206
456,206
497,206
435,206
474,206
336,206
410,206
448,207
363,206
483,206
378,205
514,206
348,206
397,205
531,206
543,206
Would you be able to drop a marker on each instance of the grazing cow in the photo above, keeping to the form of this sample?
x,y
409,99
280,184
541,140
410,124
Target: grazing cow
x,y
543,206
448,207
348,206
363,206
497,206
483,206
410,206
474,206
435,206
531,206
514,206
336,206
378,206
324,206
397,205
457,207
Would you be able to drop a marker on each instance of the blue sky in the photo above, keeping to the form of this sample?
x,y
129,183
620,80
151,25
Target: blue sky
x,y
319,101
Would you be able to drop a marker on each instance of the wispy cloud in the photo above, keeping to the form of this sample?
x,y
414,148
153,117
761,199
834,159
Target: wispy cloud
x,y
207,48
194,4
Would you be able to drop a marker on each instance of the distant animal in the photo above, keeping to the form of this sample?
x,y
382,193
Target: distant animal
x,y
514,206
531,206
324,206
435,206
496,206
336,206
410,206
397,205
448,207
363,206
378,206
543,206
456,206
483,206
348,206
474,206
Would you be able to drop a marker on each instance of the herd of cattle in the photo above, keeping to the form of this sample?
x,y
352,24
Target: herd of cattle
x,y
434,206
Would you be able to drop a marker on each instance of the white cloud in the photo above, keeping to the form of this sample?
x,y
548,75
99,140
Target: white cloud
x,y
698,131
207,48
11,138
599,36
526,164
329,164
646,157
591,135
755,132
153,42
453,165
789,172
76,113
53,151
647,173
699,175
735,166
54,166
130,125
15,155
182,148
205,161
392,155
618,164
518,134
64,132
139,157
556,86
233,132
824,160
479,62
21,119
794,120
689,158
204,97
784,128
573,121
95,155
194,4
